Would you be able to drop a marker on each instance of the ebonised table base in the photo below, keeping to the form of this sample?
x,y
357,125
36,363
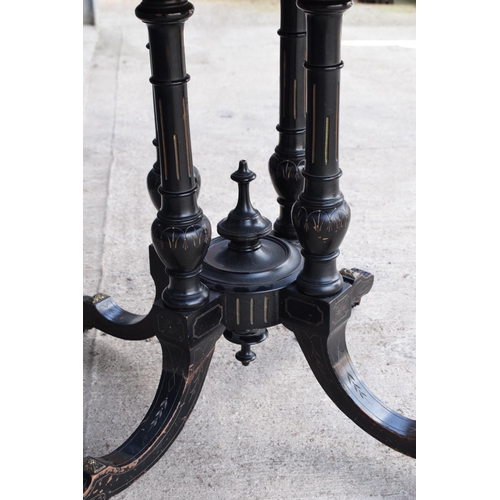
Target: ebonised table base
x,y
255,275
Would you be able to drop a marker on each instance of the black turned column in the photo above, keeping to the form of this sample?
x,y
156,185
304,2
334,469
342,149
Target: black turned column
x,y
286,164
153,180
321,215
181,233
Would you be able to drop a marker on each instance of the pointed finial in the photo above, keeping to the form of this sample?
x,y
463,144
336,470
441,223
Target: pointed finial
x,y
244,225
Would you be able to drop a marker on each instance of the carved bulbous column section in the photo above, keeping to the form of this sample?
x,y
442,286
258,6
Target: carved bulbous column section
x,y
320,230
286,176
321,215
181,248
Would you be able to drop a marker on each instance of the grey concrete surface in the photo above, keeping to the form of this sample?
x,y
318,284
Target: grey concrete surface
x,y
267,431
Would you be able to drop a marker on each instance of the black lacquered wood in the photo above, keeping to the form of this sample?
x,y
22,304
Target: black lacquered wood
x,y
102,312
331,363
249,267
288,160
320,327
318,306
244,227
181,233
256,280
153,180
321,215
188,343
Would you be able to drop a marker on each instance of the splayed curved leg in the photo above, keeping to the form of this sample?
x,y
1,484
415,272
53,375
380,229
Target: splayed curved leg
x,y
188,342
320,327
102,312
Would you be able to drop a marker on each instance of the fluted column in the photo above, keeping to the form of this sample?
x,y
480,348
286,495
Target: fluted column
x,y
321,215
181,233
287,162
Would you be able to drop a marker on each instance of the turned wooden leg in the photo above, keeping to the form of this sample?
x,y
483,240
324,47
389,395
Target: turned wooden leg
x,y
288,160
317,307
321,215
181,233
186,317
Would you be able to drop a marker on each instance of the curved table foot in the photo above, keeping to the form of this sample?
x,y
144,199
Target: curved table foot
x,y
103,313
184,369
321,336
330,362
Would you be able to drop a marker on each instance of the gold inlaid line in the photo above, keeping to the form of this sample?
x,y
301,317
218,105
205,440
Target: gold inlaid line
x,y
305,86
327,139
266,307
176,150
295,98
314,125
337,123
237,311
164,150
186,133
251,311
284,81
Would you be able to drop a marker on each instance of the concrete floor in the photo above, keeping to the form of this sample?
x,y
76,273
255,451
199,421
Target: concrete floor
x,y
267,431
